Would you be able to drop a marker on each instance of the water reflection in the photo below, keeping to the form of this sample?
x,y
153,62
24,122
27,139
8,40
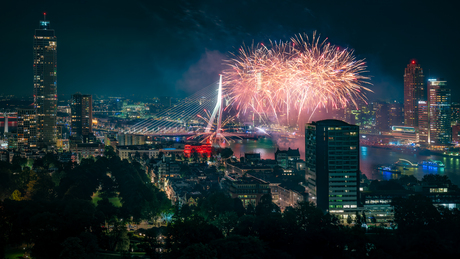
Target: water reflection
x,y
265,146
371,158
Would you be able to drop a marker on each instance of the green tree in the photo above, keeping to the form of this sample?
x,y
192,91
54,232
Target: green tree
x,y
19,161
184,170
266,206
194,230
226,222
239,247
16,196
198,251
106,207
226,153
195,156
118,237
109,152
72,248
415,213
6,182
137,156
436,179
407,180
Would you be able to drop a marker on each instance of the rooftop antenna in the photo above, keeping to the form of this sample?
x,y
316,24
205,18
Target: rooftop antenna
x,y
44,16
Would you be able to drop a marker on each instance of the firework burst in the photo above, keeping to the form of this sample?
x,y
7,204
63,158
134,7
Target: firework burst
x,y
215,135
294,76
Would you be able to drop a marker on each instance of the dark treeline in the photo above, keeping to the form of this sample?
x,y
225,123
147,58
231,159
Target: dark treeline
x,y
219,227
54,214
55,211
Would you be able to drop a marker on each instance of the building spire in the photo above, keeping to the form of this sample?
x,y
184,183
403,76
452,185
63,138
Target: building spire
x,y
44,24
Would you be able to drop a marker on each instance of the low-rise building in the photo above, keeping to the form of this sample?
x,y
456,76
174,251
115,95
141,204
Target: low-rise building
x,y
285,190
378,208
6,155
169,170
201,149
124,152
252,158
242,168
287,158
83,150
248,189
289,196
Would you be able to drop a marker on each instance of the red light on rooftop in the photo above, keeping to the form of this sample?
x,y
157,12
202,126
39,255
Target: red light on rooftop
x,y
413,61
44,13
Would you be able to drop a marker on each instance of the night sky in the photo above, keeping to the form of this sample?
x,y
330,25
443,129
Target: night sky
x,y
175,48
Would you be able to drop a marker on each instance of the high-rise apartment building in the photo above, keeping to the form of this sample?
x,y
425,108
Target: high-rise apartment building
x,y
82,115
455,113
332,161
414,91
27,129
396,114
423,122
45,83
439,98
382,119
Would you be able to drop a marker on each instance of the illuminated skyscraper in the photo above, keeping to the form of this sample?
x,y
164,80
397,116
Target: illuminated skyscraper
x,y
27,129
332,161
82,115
455,111
396,114
45,88
414,91
439,97
423,122
382,120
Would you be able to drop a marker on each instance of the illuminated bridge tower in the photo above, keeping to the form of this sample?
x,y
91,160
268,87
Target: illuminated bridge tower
x,y
217,112
45,80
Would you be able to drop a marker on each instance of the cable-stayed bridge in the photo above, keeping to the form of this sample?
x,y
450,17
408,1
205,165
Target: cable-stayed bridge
x,y
184,117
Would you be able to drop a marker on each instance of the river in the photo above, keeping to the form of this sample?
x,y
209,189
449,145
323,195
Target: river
x,y
370,158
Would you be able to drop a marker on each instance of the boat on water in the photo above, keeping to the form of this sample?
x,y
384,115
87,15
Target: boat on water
x,y
406,163
433,163
389,169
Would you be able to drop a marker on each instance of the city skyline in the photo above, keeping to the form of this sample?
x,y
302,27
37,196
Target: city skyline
x,y
260,141
186,54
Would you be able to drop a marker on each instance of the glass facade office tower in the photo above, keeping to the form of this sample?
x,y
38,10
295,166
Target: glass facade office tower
x,y
45,88
82,115
440,101
414,91
332,161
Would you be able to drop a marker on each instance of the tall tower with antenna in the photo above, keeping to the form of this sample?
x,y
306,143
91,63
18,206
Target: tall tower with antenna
x,y
45,83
